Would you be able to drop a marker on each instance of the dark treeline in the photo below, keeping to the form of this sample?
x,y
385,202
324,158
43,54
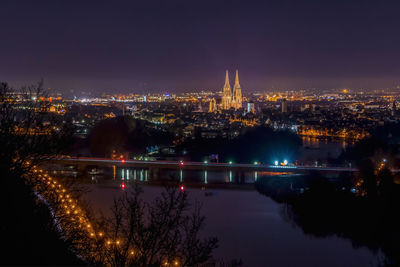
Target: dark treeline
x,y
27,229
261,144
133,137
121,135
384,143
362,207
328,208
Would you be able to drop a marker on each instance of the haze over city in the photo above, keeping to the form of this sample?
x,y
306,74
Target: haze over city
x,y
200,133
155,46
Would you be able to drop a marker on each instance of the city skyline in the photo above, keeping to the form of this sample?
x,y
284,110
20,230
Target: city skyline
x,y
129,139
184,46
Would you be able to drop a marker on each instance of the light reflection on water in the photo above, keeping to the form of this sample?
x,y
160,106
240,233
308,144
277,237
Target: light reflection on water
x,y
256,232
204,177
249,226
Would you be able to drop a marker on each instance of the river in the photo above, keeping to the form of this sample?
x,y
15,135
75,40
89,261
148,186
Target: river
x,y
249,225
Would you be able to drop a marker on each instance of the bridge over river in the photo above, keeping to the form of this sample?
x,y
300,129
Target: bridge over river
x,y
156,168
181,165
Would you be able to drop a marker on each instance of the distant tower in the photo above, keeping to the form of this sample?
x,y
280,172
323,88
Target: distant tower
x,y
284,106
237,93
213,105
250,107
227,95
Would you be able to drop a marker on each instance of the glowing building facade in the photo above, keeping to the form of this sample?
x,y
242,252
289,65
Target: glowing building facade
x,y
232,98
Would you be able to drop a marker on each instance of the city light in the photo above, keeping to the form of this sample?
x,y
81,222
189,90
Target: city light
x,y
276,163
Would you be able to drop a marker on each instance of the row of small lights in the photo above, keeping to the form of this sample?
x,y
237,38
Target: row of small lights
x,y
71,208
67,202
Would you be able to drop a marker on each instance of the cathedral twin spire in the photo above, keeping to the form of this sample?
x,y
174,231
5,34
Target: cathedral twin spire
x,y
232,99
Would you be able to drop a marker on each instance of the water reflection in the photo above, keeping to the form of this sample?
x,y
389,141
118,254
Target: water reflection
x,y
324,208
317,219
205,177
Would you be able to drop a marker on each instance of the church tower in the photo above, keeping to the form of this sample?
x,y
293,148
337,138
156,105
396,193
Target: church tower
x,y
212,106
227,95
237,93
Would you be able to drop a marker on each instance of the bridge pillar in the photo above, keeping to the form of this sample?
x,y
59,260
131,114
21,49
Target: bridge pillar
x,y
236,177
242,177
159,174
151,173
239,177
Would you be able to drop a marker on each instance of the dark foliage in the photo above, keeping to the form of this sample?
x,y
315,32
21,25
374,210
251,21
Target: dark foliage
x,y
384,142
28,231
124,134
256,144
326,208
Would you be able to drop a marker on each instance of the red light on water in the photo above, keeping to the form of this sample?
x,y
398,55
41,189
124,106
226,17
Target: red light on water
x,y
123,186
181,162
182,188
122,161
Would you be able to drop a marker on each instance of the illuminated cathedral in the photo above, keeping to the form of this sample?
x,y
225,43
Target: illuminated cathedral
x,y
232,98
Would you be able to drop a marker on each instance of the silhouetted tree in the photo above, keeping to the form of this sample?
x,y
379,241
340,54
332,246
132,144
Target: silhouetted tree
x,y
162,233
28,132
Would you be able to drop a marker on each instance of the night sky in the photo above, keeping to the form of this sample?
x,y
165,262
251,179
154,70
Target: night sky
x,y
187,45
